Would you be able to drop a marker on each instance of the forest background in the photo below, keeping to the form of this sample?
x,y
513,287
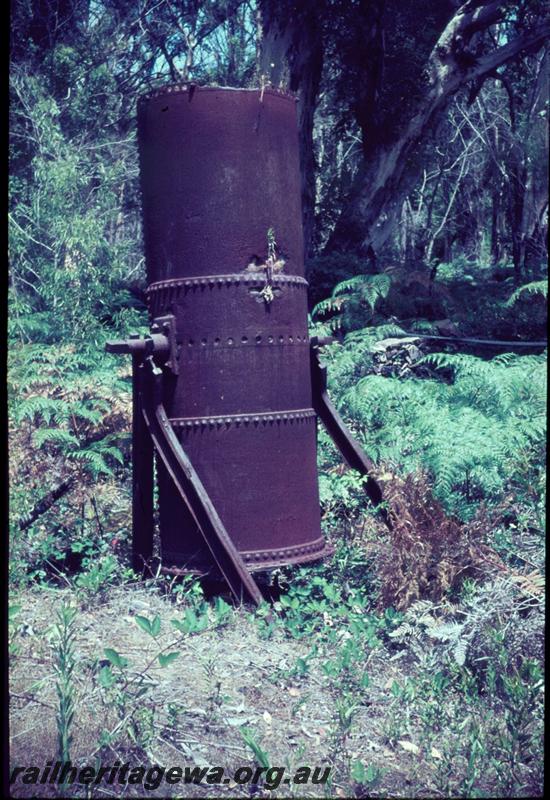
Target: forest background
x,y
424,153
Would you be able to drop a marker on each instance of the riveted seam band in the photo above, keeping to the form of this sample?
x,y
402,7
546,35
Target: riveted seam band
x,y
263,417
233,279
178,88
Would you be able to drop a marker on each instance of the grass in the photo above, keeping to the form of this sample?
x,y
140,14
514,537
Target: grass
x,y
335,683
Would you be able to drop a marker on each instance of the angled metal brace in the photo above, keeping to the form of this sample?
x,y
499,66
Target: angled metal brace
x,y
191,489
353,454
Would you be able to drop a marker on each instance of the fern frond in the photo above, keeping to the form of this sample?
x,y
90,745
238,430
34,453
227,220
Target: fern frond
x,y
467,435
95,462
48,408
460,651
376,289
108,450
54,436
533,288
351,285
450,631
91,415
372,334
328,306
349,296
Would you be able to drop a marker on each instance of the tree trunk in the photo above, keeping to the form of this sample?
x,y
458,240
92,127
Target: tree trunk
x,y
495,229
392,166
291,57
517,215
535,204
365,59
380,186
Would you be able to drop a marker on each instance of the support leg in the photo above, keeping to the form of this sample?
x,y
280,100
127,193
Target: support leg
x,y
142,476
192,491
353,454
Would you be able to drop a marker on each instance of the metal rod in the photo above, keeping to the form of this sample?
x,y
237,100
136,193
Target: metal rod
x,y
351,451
497,343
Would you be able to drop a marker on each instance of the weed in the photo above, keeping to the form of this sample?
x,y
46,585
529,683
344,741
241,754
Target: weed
x,y
367,778
251,741
13,611
64,665
214,698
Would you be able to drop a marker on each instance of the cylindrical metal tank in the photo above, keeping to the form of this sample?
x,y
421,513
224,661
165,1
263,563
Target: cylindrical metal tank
x,y
220,185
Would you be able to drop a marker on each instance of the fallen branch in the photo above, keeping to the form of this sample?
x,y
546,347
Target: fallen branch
x,y
46,503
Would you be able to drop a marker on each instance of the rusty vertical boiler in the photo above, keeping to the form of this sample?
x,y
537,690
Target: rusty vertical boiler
x,y
223,385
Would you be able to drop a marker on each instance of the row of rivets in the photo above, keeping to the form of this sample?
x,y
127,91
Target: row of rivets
x,y
290,552
262,555
176,88
226,280
259,339
264,418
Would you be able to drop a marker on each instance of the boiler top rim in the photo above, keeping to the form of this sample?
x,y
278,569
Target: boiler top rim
x,y
180,88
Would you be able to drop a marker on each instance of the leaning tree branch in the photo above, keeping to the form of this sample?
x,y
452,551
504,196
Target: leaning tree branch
x,y
370,215
527,41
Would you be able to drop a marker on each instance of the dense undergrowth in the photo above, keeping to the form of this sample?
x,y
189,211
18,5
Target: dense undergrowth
x,y
453,591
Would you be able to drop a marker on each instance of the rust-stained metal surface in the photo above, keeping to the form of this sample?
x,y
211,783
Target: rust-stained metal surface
x,y
191,490
219,169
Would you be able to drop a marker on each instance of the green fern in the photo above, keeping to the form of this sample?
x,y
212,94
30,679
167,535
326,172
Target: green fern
x,y
56,436
70,401
92,415
533,288
375,289
352,362
94,461
48,408
370,287
475,435
349,298
37,327
374,334
328,306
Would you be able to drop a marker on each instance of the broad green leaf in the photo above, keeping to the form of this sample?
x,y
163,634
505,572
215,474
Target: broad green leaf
x,y
115,658
143,623
155,626
167,658
358,772
106,677
180,625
